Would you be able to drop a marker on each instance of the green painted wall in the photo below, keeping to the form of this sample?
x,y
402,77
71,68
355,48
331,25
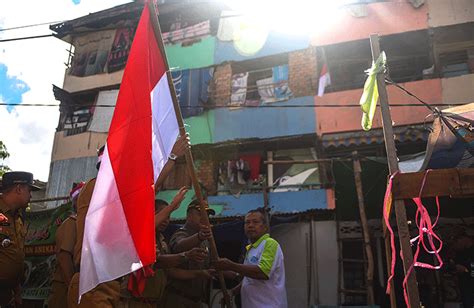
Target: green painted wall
x,y
200,128
180,213
197,55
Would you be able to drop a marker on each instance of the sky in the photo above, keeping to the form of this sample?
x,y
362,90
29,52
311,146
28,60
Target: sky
x,y
28,69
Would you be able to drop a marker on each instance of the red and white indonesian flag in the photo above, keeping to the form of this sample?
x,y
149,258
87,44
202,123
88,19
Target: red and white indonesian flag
x,y
324,80
119,235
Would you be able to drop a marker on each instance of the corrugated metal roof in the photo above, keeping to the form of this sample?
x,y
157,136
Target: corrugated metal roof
x,y
63,173
375,136
290,202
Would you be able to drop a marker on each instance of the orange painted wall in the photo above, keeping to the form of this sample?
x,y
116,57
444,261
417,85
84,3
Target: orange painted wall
x,y
382,18
332,120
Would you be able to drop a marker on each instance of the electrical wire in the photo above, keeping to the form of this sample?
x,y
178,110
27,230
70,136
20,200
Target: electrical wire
x,y
25,38
426,104
233,107
32,25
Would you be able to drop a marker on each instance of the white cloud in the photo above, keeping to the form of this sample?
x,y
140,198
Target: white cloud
x,y
28,132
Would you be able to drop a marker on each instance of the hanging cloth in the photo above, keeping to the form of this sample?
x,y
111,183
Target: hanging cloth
x,y
370,96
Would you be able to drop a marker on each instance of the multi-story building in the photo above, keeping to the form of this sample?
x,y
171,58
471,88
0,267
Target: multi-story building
x,y
250,100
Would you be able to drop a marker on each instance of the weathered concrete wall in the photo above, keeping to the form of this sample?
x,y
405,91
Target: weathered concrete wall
x,y
76,84
200,54
458,89
80,145
271,44
450,12
294,239
383,18
349,118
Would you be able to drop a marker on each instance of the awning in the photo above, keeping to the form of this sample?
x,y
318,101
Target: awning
x,y
280,203
409,133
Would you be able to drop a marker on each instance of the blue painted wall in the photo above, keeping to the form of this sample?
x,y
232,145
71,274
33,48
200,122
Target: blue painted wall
x,y
275,43
280,202
243,123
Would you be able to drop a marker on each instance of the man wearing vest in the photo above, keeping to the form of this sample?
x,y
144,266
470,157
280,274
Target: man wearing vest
x,y
263,271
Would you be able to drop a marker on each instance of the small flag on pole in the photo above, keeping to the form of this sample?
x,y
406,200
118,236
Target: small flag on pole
x,y
119,235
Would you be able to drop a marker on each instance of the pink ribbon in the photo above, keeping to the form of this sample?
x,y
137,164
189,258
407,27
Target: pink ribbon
x,y
425,233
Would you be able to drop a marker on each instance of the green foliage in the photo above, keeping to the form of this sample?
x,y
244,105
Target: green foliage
x,y
3,155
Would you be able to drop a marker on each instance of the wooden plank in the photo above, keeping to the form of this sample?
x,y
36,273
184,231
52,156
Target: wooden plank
x,y
439,182
466,180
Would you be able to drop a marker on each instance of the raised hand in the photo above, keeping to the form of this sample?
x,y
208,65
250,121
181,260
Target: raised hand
x,y
174,205
181,145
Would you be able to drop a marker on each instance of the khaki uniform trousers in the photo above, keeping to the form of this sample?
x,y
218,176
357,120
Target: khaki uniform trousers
x,y
106,294
134,303
58,296
173,300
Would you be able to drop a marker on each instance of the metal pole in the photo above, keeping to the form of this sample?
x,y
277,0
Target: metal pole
x,y
189,157
365,229
400,213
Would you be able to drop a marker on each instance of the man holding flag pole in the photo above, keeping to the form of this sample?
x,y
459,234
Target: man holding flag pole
x,y
119,234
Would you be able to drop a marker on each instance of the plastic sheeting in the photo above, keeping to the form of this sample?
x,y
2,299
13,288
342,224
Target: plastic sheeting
x,y
192,88
450,144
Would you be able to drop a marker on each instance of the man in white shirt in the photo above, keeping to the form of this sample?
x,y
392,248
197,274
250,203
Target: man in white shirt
x,y
263,285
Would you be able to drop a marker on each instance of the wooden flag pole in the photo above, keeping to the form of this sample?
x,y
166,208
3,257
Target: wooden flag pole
x,y
400,212
189,157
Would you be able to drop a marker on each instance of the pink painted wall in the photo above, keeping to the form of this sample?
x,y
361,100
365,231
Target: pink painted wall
x,y
332,120
382,18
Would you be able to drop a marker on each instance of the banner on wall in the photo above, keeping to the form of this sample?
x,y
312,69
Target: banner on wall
x,y
40,261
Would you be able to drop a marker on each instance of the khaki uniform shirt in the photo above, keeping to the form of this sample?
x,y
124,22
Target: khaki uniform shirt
x,y
65,241
195,288
83,201
12,255
155,285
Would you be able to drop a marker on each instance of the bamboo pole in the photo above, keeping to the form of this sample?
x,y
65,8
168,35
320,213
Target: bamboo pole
x,y
189,157
399,206
365,229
